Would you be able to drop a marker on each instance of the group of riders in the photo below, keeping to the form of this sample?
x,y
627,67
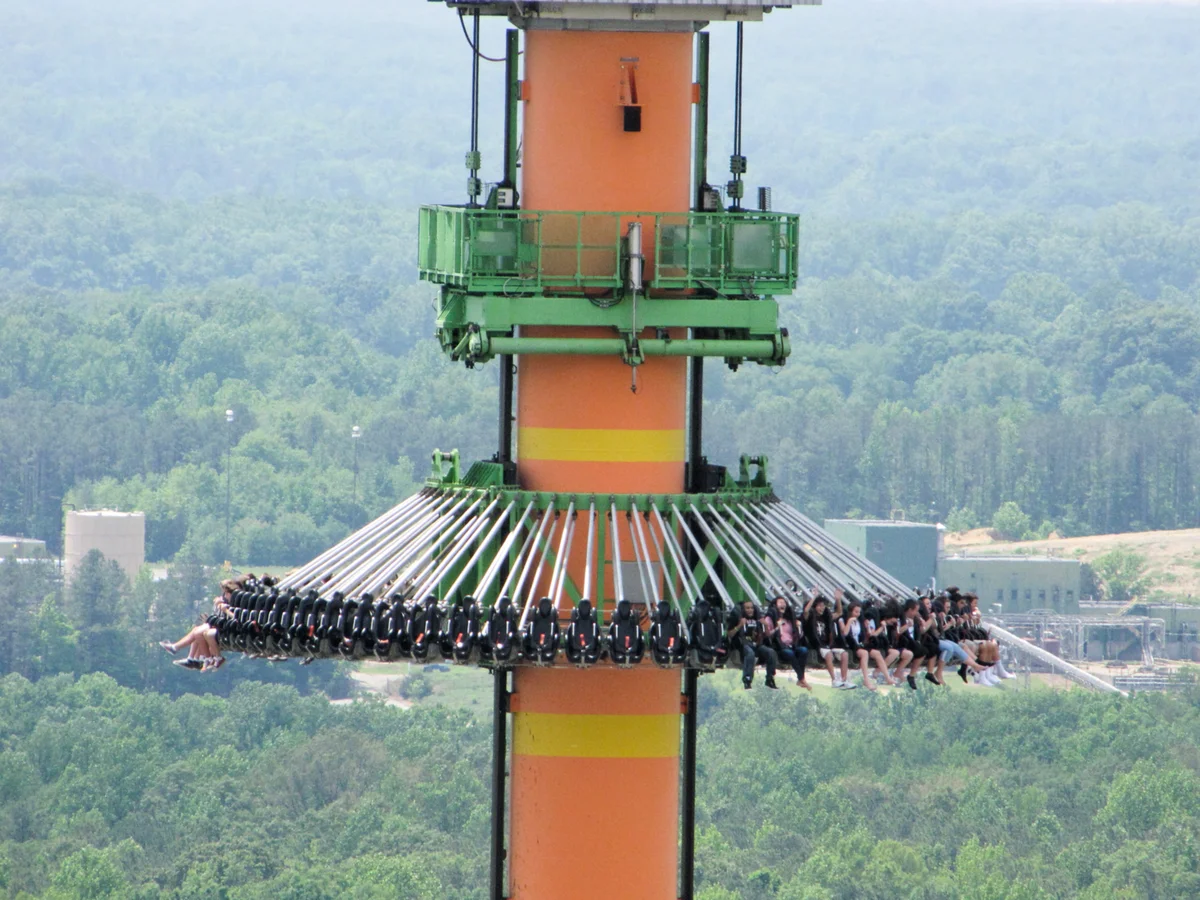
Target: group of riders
x,y
897,638
894,637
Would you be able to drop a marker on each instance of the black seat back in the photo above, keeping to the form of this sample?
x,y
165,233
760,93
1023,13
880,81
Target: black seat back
x,y
460,633
626,643
425,628
583,635
500,635
706,634
668,640
541,633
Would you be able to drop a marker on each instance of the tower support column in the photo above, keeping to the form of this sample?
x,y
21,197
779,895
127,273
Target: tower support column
x,y
595,784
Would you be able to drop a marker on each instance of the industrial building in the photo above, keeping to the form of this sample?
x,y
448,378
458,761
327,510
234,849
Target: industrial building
x,y
908,551
1016,584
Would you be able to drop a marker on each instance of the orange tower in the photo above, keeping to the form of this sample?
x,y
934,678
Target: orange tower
x,y
594,277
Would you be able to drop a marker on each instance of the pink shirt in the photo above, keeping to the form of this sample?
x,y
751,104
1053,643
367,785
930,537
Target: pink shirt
x,y
787,633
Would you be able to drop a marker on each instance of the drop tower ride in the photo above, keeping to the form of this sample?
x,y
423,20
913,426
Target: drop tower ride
x,y
591,563
627,265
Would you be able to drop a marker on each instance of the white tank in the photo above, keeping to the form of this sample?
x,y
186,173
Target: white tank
x,y
120,536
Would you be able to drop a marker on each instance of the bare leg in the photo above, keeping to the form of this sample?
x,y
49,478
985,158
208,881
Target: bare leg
x,y
187,640
828,657
864,666
905,658
881,665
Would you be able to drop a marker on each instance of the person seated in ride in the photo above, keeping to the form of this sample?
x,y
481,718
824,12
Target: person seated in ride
x,y
853,635
819,628
204,653
987,649
909,641
751,634
951,650
930,637
787,638
879,648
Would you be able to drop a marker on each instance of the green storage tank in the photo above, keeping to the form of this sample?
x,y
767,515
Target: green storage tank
x,y
908,551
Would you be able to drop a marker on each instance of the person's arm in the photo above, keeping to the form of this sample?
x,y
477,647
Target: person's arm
x,y
837,603
737,628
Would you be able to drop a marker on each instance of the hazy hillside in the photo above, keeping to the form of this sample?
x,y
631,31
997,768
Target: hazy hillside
x,y
209,205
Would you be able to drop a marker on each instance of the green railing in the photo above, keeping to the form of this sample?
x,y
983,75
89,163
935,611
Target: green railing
x,y
514,252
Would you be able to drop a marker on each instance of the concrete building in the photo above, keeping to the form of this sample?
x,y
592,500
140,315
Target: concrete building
x,y
908,551
120,536
22,548
1017,583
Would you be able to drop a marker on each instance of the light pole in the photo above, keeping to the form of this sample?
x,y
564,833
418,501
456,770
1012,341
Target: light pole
x,y
228,472
356,433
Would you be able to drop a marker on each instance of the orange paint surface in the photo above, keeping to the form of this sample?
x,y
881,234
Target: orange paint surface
x,y
591,828
596,811
576,154
614,692
594,829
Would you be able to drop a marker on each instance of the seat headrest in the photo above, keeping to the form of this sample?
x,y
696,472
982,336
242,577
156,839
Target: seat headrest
x,y
505,604
624,608
585,608
545,607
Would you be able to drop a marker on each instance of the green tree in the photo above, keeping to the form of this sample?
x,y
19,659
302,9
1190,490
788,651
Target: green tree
x,y
1009,522
1122,574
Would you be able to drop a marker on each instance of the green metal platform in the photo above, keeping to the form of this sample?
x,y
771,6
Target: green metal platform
x,y
715,274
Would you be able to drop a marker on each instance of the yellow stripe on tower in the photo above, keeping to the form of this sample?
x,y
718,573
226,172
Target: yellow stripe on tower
x,y
555,734
601,444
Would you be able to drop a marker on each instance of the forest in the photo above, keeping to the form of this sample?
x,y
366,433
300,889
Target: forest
x,y
209,205
111,792
200,212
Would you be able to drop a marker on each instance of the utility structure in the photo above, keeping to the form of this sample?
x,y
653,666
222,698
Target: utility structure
x,y
591,563
595,277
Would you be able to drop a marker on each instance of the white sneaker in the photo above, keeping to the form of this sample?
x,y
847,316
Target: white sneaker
x,y
1003,672
838,683
848,685
985,678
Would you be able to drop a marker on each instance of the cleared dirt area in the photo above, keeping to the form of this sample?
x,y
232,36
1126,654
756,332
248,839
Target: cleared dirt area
x,y
1172,557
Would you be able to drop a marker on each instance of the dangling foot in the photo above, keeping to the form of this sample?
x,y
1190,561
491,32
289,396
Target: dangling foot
x,y
929,677
168,646
213,664
804,684
962,673
771,683
746,682
189,663
912,682
868,684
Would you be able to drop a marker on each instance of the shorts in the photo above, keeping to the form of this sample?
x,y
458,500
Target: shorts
x,y
952,652
836,651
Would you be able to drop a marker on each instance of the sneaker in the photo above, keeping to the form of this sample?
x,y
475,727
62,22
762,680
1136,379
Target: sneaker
x,y
307,661
912,682
932,679
838,683
849,686
746,682
986,678
771,684
189,663
213,664
168,646
962,673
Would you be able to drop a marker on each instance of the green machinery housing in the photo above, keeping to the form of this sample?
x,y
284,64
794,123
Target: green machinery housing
x,y
703,282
